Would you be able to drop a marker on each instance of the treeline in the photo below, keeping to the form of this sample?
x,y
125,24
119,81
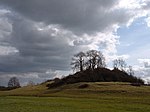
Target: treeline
x,y
93,59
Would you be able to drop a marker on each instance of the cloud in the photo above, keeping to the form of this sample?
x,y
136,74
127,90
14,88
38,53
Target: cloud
x,y
37,50
24,78
41,35
145,62
148,21
78,15
142,72
143,69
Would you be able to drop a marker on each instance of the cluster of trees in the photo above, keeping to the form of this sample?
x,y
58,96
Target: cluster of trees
x,y
14,83
92,68
90,60
119,64
93,59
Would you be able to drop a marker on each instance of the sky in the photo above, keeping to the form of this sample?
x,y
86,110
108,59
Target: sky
x,y
39,37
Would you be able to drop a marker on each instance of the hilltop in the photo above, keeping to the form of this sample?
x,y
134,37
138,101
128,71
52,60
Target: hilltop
x,y
96,75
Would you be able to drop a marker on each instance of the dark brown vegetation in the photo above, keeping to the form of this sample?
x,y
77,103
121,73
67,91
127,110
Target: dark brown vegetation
x,y
2,88
90,60
83,86
97,75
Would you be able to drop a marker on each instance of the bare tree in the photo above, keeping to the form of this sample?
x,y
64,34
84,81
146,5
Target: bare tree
x,y
95,59
119,64
30,83
101,61
130,71
90,60
115,64
13,82
78,61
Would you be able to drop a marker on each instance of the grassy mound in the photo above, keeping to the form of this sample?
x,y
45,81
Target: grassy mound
x,y
97,75
77,97
82,89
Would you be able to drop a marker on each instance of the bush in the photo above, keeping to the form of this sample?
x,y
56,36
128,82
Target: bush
x,y
83,86
136,84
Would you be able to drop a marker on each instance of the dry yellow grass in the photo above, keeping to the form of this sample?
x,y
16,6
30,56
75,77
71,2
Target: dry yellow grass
x,y
94,89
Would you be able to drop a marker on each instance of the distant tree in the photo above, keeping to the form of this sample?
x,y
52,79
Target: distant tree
x,y
148,82
119,64
13,82
78,61
30,83
115,64
130,70
95,59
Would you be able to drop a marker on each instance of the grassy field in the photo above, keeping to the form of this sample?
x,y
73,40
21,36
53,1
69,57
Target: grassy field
x,y
97,97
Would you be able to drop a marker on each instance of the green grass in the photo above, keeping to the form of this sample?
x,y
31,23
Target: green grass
x,y
97,97
64,104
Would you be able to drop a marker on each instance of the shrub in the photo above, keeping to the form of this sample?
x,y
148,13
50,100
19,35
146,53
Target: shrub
x,y
83,86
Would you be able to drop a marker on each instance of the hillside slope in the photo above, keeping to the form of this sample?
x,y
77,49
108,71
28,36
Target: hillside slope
x,y
78,97
97,75
82,89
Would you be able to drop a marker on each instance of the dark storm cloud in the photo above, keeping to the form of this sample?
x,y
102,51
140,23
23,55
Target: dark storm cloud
x,y
38,51
82,16
43,31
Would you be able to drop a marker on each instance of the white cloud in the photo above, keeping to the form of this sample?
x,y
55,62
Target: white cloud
x,y
129,4
145,62
6,50
148,21
142,70
5,24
